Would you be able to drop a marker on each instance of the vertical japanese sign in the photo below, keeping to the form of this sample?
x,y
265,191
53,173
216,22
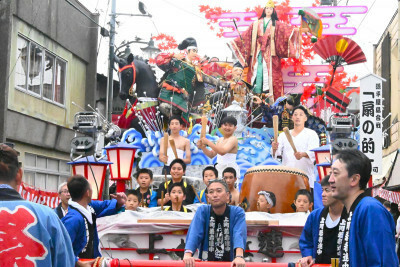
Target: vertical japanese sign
x,y
371,120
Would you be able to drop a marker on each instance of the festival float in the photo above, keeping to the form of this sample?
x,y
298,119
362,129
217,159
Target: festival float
x,y
140,238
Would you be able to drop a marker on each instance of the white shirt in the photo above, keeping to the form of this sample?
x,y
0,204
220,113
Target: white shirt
x,y
64,212
171,155
398,225
330,223
306,140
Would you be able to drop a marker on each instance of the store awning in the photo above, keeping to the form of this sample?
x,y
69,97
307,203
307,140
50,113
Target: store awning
x,y
387,163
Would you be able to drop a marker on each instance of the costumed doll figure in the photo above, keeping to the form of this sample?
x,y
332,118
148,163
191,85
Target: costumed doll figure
x,y
283,107
239,88
261,47
182,86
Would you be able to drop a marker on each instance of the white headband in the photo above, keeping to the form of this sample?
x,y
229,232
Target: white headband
x,y
191,47
267,197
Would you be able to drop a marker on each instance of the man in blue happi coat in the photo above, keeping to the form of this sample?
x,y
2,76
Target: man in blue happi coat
x,y
30,234
322,235
369,234
80,220
218,230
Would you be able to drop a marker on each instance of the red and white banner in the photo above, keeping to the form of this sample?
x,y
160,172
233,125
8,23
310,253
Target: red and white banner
x,y
393,197
37,195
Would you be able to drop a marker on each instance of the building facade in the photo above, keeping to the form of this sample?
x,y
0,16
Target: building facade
x,y
48,57
387,65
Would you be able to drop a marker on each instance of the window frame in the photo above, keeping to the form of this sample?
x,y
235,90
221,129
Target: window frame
x,y
56,59
46,171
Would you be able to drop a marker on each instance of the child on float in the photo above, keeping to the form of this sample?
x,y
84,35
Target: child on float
x,y
182,145
178,195
146,196
226,147
209,173
132,201
266,200
303,201
178,168
229,175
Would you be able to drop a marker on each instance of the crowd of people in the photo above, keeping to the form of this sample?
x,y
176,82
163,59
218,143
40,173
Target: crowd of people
x,y
354,228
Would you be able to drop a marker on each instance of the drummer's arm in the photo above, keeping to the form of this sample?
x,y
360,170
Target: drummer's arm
x,y
277,147
188,153
222,149
162,157
209,153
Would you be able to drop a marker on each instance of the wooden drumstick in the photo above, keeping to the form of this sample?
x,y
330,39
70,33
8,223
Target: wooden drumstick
x,y
166,146
172,143
275,120
162,200
204,121
197,195
289,138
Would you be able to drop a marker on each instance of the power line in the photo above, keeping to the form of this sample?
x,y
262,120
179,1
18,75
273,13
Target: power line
x,y
104,24
369,9
178,7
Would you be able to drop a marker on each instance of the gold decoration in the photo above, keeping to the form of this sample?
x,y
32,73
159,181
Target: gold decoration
x,y
270,3
285,117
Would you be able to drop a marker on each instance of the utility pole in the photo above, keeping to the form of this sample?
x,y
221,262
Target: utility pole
x,y
111,53
110,78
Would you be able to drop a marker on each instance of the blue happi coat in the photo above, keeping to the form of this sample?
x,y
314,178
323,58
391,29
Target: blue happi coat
x,y
75,225
372,235
309,237
197,235
33,232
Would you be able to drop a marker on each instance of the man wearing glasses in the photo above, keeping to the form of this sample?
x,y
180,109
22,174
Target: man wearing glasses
x,y
63,193
31,234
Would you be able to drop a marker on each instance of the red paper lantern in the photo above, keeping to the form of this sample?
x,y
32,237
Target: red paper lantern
x,y
82,167
122,155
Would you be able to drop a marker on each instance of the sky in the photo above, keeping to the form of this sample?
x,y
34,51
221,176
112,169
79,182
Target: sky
x,y
182,19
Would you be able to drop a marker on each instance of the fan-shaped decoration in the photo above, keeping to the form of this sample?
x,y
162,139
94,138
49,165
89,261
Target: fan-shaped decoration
x,y
340,50
311,20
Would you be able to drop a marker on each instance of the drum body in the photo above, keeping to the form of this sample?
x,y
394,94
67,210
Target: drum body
x,y
283,181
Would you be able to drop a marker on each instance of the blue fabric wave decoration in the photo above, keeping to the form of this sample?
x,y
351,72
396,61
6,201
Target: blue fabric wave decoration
x,y
254,148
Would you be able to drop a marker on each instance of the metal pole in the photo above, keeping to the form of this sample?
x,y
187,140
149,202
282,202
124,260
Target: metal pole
x,y
111,63
110,84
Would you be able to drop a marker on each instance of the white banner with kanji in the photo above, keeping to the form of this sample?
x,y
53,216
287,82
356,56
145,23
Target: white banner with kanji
x,y
393,197
37,195
371,120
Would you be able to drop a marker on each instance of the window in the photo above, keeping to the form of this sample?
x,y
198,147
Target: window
x,y
45,173
39,72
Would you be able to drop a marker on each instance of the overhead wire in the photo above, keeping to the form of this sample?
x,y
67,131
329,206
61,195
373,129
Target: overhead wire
x,y
189,12
104,24
369,9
